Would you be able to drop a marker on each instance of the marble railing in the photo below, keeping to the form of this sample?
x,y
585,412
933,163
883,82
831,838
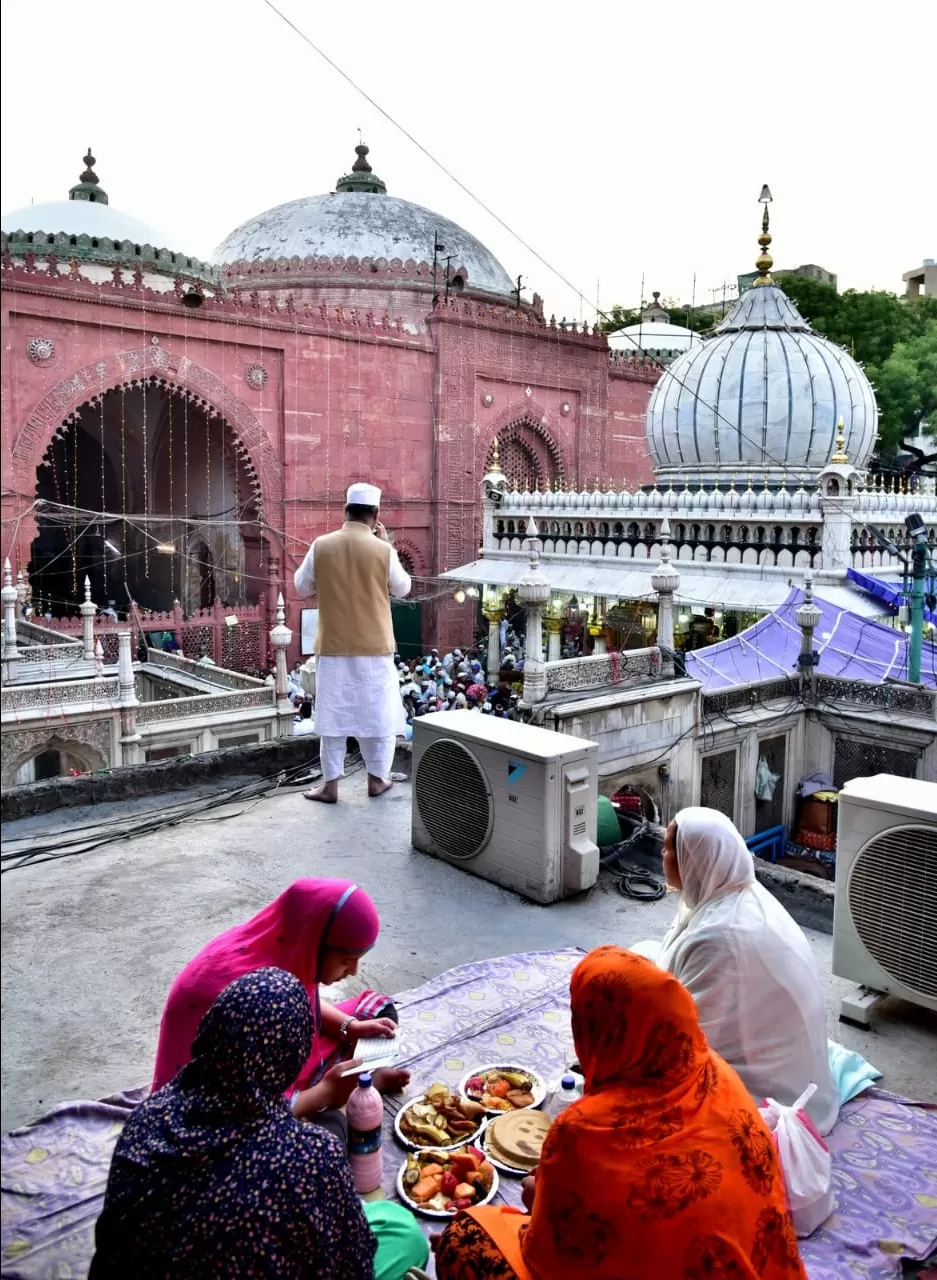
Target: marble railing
x,y
219,676
59,697
209,704
603,670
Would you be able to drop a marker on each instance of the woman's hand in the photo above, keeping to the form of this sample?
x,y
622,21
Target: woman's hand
x,y
370,1028
333,1090
528,1191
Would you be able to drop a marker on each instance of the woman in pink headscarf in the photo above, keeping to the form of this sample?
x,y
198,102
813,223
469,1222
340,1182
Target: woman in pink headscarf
x,y
317,930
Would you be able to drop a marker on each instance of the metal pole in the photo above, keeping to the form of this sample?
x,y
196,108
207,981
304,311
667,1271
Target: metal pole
x,y
916,639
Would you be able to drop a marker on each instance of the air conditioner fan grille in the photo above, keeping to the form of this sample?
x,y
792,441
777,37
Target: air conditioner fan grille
x,y
453,799
892,894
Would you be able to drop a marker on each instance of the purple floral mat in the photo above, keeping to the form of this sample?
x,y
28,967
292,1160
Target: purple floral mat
x,y
516,1007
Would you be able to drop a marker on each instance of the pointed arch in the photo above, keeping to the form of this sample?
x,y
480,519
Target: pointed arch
x,y
175,373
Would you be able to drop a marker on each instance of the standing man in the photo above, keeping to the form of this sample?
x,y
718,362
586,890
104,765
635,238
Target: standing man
x,y
354,572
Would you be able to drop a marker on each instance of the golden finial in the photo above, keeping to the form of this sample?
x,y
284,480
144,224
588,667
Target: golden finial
x,y
514,488
764,262
840,455
750,480
495,455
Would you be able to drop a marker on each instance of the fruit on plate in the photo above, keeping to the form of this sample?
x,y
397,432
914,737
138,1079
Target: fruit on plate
x,y
502,1089
441,1119
447,1181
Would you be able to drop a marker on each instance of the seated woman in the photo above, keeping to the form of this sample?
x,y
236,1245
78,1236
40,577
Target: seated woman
x,y
317,930
212,1175
663,1169
747,965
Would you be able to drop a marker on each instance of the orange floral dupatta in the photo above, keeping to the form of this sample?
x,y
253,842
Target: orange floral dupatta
x,y
664,1168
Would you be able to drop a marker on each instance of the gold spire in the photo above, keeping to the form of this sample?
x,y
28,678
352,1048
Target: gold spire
x,y
764,262
495,455
840,455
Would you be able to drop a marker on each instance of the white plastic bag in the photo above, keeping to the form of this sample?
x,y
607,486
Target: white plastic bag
x,y
805,1161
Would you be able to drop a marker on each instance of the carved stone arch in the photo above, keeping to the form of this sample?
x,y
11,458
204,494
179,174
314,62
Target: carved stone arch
x,y
411,557
527,422
178,374
86,744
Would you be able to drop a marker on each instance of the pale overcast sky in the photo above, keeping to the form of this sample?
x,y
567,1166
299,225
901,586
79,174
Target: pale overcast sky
x,y
620,140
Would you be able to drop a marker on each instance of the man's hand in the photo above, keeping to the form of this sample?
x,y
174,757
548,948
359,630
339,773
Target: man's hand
x,y
370,1028
380,532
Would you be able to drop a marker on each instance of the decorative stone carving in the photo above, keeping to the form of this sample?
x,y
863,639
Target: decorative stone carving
x,y
256,376
40,350
564,408
488,399
93,738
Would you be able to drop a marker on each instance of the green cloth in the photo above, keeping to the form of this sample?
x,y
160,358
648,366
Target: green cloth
x,y
400,1242
608,830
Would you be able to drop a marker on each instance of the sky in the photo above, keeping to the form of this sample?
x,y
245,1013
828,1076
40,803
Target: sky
x,y
622,142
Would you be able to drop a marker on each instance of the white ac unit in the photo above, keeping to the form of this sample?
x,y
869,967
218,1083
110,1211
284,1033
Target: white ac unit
x,y
886,892
509,802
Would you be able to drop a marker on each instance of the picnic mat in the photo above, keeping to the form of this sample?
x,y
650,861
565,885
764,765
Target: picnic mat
x,y
516,1007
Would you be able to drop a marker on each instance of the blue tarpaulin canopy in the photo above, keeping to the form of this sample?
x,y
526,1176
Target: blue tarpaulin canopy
x,y
849,646
889,592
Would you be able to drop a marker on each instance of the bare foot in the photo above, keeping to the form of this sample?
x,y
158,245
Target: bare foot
x,y
390,1079
377,786
326,794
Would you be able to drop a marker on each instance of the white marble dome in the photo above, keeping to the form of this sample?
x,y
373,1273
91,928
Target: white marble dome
x,y
764,393
359,220
81,218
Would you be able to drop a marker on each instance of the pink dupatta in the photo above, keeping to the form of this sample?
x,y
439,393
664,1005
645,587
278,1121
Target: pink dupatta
x,y
291,933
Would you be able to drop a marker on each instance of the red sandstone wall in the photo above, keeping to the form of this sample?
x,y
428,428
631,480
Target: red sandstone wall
x,y
342,399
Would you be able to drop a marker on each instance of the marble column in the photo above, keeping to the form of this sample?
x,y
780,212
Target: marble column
x,y
554,625
665,580
280,637
494,616
129,737
88,611
808,619
9,598
533,591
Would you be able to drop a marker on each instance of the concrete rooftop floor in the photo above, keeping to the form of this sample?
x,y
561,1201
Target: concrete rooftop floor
x,y
91,943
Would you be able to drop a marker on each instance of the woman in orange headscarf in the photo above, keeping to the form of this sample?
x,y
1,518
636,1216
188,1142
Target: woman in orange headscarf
x,y
663,1169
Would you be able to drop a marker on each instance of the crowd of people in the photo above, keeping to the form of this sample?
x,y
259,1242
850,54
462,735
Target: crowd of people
x,y
236,1164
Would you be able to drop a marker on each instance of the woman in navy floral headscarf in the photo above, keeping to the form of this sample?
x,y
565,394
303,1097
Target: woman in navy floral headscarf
x,y
214,1177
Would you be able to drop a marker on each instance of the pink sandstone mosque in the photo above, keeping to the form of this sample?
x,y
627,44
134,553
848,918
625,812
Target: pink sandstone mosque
x,y
179,431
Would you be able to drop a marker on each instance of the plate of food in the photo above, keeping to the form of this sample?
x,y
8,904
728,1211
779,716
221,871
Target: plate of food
x,y
439,1119
503,1086
440,1183
513,1141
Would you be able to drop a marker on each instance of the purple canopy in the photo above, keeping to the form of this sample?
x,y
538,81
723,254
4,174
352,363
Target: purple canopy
x,y
849,646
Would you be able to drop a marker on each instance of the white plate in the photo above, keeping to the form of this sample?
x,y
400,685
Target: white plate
x,y
440,1213
539,1089
513,1170
473,1139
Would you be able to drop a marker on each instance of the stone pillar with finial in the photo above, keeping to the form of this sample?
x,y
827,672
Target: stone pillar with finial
x,y
665,580
281,637
533,591
88,611
494,487
129,737
493,610
836,484
808,619
9,598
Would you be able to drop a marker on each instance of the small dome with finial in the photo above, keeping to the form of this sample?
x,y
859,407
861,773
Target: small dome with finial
x,y
362,176
86,213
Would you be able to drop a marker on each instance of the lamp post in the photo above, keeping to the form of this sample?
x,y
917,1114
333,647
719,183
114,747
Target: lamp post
x,y
918,532
808,619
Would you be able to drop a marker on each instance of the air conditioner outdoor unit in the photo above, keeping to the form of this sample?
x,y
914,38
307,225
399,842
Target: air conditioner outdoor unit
x,y
886,893
509,802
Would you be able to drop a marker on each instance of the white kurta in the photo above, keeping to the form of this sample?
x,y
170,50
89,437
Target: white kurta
x,y
748,967
357,697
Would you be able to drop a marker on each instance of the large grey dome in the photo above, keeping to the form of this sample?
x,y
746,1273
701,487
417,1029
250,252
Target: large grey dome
x,y
764,394
358,220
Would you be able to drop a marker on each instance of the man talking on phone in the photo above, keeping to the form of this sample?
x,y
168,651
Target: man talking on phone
x,y
354,572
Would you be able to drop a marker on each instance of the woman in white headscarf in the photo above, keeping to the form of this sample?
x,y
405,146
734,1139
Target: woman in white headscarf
x,y
747,965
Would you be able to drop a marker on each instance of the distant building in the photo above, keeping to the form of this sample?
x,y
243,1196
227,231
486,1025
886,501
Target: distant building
x,y
653,336
809,270
922,280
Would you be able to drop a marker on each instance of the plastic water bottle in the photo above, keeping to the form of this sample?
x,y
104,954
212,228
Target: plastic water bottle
x,y
365,1112
568,1092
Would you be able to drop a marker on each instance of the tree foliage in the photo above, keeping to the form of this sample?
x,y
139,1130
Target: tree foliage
x,y
620,318
906,389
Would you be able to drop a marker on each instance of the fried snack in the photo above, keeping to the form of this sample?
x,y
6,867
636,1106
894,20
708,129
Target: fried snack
x,y
441,1119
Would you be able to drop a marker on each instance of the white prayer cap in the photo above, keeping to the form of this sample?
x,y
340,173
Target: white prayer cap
x,y
363,495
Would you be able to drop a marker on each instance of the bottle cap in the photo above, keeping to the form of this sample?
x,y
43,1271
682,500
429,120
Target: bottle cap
x,y
364,1080
568,1082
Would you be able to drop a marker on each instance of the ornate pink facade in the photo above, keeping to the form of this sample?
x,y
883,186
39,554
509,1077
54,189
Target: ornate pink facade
x,y
288,379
